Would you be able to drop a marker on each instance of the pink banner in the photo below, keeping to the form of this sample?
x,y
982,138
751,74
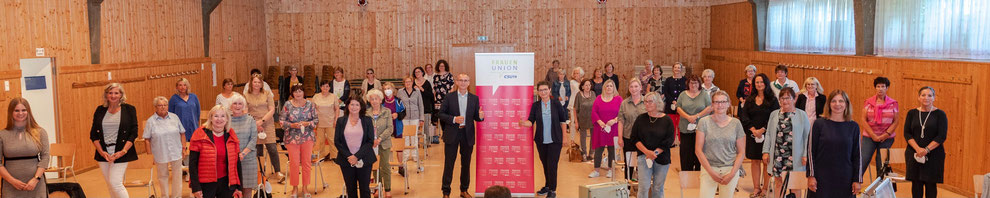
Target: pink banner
x,y
505,150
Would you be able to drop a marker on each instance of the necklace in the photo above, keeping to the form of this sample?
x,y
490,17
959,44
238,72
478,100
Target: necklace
x,y
654,119
925,122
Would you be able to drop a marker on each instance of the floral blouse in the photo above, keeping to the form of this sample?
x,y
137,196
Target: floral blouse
x,y
293,114
442,84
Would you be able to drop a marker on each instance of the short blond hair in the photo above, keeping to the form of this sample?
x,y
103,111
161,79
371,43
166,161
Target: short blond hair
x,y
820,90
580,72
374,93
111,86
214,110
235,99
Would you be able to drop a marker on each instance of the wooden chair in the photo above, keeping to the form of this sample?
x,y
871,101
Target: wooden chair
x,y
689,179
398,146
64,151
143,164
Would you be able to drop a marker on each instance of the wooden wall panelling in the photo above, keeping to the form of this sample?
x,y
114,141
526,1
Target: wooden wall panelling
x,y
734,29
964,103
237,34
81,102
150,30
411,33
59,26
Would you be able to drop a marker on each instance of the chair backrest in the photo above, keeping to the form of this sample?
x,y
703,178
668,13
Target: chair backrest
x,y
690,179
144,162
63,150
896,155
398,144
410,129
977,185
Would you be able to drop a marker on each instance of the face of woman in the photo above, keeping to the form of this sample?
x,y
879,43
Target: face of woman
x,y
114,96
161,108
219,118
812,87
544,92
678,69
375,101
237,107
750,73
429,68
760,86
228,86
610,68
418,73
298,94
721,104
293,72
651,105
407,83
694,85
325,88
21,113
369,74
575,74
354,106
838,105
781,74
443,67
635,88
657,71
181,87
786,102
256,84
708,79
610,88
561,75
926,98
881,89
586,87
598,73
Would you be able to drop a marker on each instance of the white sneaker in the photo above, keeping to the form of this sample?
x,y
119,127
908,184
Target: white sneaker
x,y
594,174
609,175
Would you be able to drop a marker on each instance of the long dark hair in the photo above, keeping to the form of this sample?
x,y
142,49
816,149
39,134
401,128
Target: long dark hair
x,y
347,104
767,91
420,70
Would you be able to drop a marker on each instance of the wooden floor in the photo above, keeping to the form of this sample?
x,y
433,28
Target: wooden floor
x,y
427,183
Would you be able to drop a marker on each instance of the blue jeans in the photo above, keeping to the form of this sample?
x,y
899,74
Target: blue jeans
x,y
869,147
656,175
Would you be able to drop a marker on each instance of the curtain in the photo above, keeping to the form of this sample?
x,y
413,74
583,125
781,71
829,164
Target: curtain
x,y
816,26
933,28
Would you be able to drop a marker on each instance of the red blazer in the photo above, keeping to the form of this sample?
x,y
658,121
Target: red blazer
x,y
203,158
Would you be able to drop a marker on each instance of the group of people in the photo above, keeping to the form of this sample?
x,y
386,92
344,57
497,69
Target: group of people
x,y
781,127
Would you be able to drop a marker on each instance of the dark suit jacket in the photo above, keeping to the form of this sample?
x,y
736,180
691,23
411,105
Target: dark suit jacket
x,y
557,116
802,100
367,142
450,109
127,133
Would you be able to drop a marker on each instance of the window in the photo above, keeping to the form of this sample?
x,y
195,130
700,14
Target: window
x,y
935,29
819,26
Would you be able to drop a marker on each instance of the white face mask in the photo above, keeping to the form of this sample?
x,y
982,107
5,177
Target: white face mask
x,y
388,93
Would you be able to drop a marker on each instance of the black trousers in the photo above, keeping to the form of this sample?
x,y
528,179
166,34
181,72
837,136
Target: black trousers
x,y
689,160
926,189
550,157
272,155
357,178
450,150
219,189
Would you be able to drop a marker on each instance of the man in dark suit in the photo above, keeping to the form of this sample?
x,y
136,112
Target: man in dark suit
x,y
458,113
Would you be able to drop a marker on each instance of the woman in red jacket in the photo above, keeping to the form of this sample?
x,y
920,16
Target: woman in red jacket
x,y
213,160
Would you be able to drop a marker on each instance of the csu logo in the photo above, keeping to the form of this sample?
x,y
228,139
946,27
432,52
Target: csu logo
x,y
509,76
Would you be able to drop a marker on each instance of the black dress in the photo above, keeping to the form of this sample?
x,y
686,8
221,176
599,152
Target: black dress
x,y
934,130
756,116
672,88
833,158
